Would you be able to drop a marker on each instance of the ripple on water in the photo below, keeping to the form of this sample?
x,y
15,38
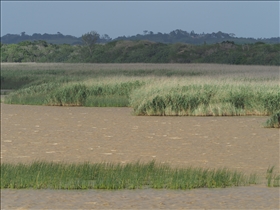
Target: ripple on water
x,y
253,197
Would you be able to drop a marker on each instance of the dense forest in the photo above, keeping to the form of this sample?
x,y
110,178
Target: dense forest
x,y
174,36
142,51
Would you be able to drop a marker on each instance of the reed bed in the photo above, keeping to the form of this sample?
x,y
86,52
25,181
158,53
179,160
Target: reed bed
x,y
150,89
96,92
50,175
92,67
206,97
159,96
17,75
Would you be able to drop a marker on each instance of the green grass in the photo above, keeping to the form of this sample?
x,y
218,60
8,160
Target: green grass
x,y
273,180
205,98
196,90
194,96
273,121
89,93
50,175
107,101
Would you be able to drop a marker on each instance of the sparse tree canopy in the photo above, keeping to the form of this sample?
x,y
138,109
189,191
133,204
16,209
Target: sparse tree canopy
x,y
106,37
89,39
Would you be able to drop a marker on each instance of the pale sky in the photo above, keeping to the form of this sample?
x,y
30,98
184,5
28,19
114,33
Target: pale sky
x,y
117,18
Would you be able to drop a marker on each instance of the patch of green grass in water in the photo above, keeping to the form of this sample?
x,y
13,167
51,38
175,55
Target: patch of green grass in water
x,y
273,121
273,180
50,175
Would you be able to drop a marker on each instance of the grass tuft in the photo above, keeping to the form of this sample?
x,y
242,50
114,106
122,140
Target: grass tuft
x,y
273,180
273,121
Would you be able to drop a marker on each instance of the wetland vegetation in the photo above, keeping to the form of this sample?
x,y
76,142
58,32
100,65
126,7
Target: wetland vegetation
x,y
204,90
49,175
194,90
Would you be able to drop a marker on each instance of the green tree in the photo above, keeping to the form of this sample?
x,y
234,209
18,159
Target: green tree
x,y
89,40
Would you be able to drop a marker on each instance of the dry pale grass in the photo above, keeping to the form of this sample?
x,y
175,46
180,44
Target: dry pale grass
x,y
213,71
136,66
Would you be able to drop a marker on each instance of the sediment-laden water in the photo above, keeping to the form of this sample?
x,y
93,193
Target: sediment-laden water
x,y
253,197
78,134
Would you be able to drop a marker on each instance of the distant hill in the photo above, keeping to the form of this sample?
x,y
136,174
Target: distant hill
x,y
180,36
176,36
50,38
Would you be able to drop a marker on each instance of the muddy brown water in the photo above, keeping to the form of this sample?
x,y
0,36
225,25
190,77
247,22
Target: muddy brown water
x,y
228,198
78,134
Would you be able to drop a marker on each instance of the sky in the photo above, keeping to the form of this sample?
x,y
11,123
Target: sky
x,y
127,18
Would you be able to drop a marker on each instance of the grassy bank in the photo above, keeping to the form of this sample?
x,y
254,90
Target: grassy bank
x,y
158,96
150,89
49,175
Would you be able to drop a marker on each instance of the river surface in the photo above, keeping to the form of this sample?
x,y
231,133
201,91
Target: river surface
x,y
78,134
252,197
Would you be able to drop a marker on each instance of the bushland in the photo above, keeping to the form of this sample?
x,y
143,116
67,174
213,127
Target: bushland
x,y
143,52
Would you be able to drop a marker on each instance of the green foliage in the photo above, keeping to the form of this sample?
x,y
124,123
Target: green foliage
x,y
205,99
98,94
274,120
171,92
61,90
68,95
32,95
107,101
89,40
50,175
141,52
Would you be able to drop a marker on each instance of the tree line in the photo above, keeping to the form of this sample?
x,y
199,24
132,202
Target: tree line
x,y
174,36
141,51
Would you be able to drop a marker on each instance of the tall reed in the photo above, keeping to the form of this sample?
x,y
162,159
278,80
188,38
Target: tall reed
x,y
216,90
50,175
273,180
205,98
88,93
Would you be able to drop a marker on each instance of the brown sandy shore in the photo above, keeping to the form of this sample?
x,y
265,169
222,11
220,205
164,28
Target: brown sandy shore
x,y
78,134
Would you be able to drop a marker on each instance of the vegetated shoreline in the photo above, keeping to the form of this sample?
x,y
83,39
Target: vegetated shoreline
x,y
48,175
75,134
150,89
110,176
119,91
157,97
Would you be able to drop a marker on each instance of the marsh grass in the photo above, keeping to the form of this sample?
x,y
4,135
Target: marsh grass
x,y
273,121
50,175
273,180
107,101
150,89
205,97
17,75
